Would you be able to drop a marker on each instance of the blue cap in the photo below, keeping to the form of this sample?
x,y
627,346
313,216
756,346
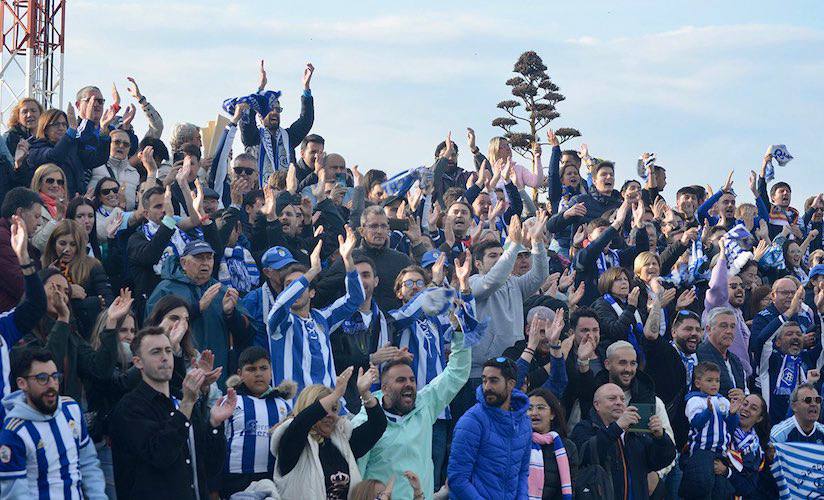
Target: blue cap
x,y
430,257
197,247
816,271
277,258
210,193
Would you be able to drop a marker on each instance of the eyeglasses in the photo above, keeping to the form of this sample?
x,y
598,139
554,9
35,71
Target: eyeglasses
x,y
539,407
376,227
52,180
108,191
43,378
810,399
785,292
277,108
58,124
410,283
121,143
244,171
97,100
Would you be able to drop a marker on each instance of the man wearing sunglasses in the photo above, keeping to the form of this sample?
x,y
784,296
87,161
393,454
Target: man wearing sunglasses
x,y
803,426
45,450
119,168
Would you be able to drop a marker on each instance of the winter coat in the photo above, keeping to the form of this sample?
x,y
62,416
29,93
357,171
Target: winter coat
x,y
490,451
76,153
212,329
125,174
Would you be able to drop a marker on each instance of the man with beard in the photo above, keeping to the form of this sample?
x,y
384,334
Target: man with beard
x,y
164,447
628,456
686,201
728,291
407,442
453,238
803,426
45,450
447,174
493,440
276,144
788,366
724,199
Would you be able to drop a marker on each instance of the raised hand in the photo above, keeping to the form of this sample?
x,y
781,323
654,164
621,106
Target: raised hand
x,y
437,269
230,299
224,408
621,214
341,381
628,418
133,89
795,305
240,109
386,353
197,201
574,298
208,296
632,298
115,96
553,333
191,385
470,138
128,116
463,270
728,184
206,362
685,299
566,280
262,78
515,232
346,246
358,177
176,331
121,306
147,159
550,285
366,379
314,261
449,149
21,153
579,236
537,234
106,119
689,235
307,75
576,210
71,117
19,240
638,215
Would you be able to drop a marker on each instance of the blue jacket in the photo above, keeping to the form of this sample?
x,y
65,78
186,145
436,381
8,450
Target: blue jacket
x,y
490,451
77,153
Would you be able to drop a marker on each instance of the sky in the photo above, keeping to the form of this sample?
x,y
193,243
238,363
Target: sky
x,y
707,86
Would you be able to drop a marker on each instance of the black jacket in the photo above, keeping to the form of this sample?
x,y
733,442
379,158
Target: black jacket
x,y
613,327
641,390
297,130
628,460
552,478
707,352
150,447
665,367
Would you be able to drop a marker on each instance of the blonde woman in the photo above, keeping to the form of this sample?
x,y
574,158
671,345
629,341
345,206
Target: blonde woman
x,y
22,125
89,287
316,450
49,182
499,148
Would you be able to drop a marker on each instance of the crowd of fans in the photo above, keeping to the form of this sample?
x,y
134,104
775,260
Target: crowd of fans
x,y
273,323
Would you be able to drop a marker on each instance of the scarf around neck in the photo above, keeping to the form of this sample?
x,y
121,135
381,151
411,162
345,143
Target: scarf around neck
x,y
50,204
536,465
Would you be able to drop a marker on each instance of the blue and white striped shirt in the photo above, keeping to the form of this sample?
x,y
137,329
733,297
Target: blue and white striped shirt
x,y
247,433
46,453
709,430
300,347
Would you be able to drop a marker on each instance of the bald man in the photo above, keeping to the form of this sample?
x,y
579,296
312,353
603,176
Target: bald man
x,y
640,453
787,305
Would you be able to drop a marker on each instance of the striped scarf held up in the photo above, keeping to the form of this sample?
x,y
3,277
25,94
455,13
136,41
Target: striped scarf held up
x,y
536,465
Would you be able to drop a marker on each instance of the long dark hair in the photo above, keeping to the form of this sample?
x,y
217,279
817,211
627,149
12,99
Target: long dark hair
x,y
71,212
161,308
762,428
100,185
559,423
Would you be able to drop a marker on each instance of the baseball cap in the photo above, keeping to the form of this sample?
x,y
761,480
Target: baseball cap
x,y
816,271
197,247
430,257
210,193
277,258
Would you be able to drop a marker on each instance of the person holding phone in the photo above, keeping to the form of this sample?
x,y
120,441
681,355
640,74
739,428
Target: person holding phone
x,y
712,417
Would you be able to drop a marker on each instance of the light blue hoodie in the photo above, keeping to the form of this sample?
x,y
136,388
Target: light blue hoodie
x,y
30,460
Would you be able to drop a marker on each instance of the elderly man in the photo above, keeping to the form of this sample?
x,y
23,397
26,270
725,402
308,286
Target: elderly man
x,y
221,322
787,305
803,426
119,168
632,455
787,365
720,328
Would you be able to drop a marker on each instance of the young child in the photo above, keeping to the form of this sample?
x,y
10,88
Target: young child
x,y
259,407
711,417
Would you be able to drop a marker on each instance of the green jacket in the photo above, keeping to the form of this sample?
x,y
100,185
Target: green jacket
x,y
211,329
407,443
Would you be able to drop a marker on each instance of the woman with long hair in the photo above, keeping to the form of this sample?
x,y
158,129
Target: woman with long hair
x,y
82,211
499,148
22,124
553,463
750,441
108,201
89,287
49,182
75,150
315,434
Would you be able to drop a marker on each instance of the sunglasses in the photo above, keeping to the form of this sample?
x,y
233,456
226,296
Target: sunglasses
x,y
410,283
244,171
810,399
108,191
52,180
43,378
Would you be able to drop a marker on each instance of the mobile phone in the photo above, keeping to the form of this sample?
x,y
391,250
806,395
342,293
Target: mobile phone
x,y
341,179
398,224
645,411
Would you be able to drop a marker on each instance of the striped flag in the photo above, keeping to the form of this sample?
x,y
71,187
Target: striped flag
x,y
799,470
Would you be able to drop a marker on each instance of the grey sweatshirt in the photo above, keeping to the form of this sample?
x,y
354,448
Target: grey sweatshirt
x,y
500,296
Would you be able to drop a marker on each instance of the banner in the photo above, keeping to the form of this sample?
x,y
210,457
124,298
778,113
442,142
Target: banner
x,y
798,469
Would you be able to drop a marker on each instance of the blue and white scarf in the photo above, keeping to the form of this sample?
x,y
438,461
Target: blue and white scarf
x,y
779,154
738,239
238,269
790,375
270,159
636,330
689,362
400,184
175,246
607,260
747,443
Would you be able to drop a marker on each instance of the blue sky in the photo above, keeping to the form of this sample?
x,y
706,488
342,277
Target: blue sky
x,y
708,86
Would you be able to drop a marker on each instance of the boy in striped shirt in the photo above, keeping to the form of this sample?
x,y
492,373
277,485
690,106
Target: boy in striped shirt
x,y
711,417
299,335
259,407
45,450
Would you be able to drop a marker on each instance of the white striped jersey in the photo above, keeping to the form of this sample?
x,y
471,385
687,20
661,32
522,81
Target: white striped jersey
x,y
300,347
247,433
709,430
47,452
9,335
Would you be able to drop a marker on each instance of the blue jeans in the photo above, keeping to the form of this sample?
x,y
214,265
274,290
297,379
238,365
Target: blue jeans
x,y
440,434
104,454
673,479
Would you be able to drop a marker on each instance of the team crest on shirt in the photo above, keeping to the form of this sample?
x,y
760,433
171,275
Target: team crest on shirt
x,y
75,429
41,444
5,454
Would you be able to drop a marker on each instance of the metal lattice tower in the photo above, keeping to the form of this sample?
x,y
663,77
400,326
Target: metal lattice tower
x,y
33,40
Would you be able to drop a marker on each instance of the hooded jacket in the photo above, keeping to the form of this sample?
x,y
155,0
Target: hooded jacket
x,y
33,447
212,329
490,450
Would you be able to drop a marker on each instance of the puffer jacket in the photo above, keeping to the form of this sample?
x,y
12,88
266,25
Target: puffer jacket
x,y
77,153
490,451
